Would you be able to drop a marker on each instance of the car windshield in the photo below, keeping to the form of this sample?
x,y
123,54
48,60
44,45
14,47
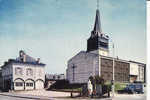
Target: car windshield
x,y
138,86
131,86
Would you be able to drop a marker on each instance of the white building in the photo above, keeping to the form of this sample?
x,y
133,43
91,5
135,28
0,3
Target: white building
x,y
137,71
23,73
82,66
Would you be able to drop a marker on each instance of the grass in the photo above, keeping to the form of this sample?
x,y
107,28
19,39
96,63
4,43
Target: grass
x,y
118,86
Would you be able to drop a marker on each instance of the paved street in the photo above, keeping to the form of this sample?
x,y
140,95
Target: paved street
x,y
10,96
14,96
130,97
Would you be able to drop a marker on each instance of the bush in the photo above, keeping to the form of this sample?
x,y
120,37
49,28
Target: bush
x,y
119,86
64,84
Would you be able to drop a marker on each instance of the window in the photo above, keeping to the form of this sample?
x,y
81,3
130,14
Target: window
x,y
54,77
18,71
29,84
58,77
29,72
18,84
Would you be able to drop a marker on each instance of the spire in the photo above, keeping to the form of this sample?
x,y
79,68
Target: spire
x,y
97,26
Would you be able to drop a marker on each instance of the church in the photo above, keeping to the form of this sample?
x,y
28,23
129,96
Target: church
x,y
23,73
96,61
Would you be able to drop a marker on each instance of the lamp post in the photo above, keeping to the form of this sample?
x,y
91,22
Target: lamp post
x,y
113,69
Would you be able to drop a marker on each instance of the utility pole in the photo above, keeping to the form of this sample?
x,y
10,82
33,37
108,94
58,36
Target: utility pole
x,y
113,81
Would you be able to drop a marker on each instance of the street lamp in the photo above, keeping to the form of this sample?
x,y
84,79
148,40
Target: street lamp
x,y
113,76
113,69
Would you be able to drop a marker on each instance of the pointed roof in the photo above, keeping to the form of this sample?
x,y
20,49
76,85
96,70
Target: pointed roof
x,y
97,26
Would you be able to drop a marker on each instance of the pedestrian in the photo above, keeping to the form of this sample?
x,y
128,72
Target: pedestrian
x,y
90,88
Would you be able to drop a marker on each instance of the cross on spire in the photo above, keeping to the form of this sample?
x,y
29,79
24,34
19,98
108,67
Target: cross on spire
x,y
97,4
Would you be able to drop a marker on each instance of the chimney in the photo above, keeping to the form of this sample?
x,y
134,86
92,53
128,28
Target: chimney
x,y
38,60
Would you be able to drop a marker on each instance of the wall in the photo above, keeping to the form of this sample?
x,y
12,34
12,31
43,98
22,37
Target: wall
x,y
38,73
138,70
121,69
86,66
134,69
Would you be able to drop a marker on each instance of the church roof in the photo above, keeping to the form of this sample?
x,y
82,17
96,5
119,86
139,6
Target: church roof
x,y
84,53
137,62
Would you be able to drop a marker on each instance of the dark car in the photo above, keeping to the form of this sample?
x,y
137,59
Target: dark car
x,y
132,88
139,88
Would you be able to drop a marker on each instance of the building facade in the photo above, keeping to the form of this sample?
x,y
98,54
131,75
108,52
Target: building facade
x,y
84,65
23,73
137,71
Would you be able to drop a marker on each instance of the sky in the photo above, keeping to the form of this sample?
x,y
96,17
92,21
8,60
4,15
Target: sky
x,y
56,30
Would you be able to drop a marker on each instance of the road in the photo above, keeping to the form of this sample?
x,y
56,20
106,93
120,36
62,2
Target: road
x,y
117,97
12,98
130,97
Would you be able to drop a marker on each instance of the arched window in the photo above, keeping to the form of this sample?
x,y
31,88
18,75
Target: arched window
x,y
29,72
18,71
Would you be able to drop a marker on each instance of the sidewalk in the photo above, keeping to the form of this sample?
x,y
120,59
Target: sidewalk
x,y
53,96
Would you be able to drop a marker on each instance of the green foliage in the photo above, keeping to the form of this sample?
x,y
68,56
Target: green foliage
x,y
119,86
109,87
97,80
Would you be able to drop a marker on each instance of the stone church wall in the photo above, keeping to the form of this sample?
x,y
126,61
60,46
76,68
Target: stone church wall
x,y
86,65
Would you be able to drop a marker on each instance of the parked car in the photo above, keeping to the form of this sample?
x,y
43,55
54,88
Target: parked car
x,y
139,88
132,88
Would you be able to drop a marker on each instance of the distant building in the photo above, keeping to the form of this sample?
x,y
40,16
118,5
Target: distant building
x,y
96,61
23,73
137,71
55,77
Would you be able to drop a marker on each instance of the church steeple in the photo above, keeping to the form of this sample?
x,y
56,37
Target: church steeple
x,y
97,26
98,41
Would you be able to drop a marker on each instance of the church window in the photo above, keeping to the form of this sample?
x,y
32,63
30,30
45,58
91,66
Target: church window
x,y
29,72
18,71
